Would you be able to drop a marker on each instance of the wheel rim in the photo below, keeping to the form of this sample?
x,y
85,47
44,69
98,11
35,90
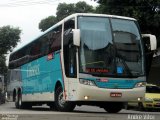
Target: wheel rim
x,y
61,100
20,101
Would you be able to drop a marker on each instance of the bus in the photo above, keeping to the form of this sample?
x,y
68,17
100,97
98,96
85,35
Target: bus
x,y
85,59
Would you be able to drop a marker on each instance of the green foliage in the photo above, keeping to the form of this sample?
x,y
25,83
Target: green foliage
x,y
83,7
3,68
47,22
143,10
9,37
64,10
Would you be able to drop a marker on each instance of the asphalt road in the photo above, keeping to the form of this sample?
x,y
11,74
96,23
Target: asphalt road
x,y
9,112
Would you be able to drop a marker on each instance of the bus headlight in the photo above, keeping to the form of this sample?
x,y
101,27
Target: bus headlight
x,y
87,82
140,84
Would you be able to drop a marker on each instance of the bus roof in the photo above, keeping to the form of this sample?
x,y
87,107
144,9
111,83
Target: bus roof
x,y
72,16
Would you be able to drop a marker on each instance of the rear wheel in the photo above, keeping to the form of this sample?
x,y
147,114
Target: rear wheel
x,y
18,101
20,104
113,107
60,103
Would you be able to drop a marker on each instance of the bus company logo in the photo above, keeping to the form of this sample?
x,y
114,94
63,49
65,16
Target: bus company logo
x,y
33,70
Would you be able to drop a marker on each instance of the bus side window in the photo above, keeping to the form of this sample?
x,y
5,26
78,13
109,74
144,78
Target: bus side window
x,y
35,51
55,39
44,46
19,58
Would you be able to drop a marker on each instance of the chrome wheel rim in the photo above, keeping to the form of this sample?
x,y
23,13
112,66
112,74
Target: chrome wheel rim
x,y
61,100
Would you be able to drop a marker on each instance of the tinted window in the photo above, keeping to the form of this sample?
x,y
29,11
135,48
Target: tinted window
x,y
19,58
46,44
55,39
152,89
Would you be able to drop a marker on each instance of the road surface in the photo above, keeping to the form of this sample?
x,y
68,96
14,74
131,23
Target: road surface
x,y
9,112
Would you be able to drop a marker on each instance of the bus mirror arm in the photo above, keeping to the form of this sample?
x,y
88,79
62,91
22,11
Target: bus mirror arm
x,y
76,37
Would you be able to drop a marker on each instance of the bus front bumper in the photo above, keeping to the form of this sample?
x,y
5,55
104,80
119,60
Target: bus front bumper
x,y
93,93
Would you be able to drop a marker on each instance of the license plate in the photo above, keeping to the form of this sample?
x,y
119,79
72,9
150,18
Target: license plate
x,y
116,94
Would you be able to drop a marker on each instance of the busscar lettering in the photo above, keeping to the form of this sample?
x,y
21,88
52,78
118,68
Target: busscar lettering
x,y
32,70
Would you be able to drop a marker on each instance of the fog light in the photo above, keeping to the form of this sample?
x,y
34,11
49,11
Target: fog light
x,y
139,99
86,97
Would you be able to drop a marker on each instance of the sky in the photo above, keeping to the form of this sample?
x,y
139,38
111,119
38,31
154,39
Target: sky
x,y
26,14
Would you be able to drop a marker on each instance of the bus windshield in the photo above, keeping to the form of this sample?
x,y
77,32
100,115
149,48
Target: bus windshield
x,y
110,47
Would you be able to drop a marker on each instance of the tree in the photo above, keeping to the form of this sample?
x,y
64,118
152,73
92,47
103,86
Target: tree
x,y
47,22
64,10
9,37
3,67
83,7
147,12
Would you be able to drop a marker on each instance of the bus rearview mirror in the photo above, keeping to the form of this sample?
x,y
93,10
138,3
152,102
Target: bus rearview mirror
x,y
150,41
76,37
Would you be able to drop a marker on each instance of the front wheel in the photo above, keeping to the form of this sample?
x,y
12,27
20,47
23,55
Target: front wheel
x,y
52,107
141,107
113,107
60,103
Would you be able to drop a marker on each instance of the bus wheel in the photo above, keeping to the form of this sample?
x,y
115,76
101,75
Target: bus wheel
x,y
60,103
140,106
126,106
18,101
113,107
20,104
52,107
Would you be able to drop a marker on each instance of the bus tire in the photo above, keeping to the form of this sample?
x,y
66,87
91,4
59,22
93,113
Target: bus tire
x,y
20,104
141,107
52,107
113,107
14,95
18,101
60,103
126,106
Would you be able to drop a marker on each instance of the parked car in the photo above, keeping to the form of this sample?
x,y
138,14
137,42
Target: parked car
x,y
152,99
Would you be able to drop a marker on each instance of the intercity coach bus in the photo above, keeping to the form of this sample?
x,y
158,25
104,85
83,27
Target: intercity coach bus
x,y
85,59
